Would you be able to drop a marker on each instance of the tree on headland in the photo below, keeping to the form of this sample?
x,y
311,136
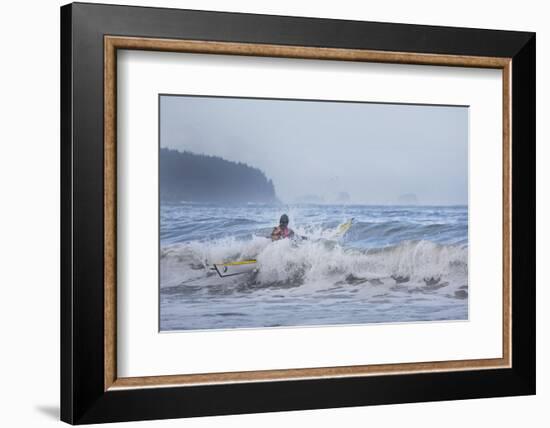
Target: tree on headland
x,y
186,176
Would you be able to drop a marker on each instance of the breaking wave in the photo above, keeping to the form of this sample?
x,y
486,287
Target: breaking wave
x,y
313,261
395,264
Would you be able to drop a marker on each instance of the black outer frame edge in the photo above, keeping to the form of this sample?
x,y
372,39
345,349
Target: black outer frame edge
x,y
167,403
524,213
66,304
301,31
83,398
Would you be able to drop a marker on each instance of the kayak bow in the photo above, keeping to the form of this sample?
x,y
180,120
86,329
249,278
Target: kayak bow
x,y
235,268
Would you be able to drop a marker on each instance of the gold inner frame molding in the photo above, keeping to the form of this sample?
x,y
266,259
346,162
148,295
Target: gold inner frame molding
x,y
113,43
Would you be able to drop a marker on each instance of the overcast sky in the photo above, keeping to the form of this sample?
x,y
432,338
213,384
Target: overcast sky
x,y
374,152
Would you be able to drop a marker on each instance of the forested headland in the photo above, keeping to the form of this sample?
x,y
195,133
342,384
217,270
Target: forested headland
x,y
186,176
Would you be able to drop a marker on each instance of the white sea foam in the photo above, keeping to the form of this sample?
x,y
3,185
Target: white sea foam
x,y
310,261
394,264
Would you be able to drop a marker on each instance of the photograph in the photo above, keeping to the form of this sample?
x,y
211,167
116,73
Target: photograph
x,y
292,213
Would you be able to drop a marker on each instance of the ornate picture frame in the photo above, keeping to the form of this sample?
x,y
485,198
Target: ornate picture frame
x,y
91,389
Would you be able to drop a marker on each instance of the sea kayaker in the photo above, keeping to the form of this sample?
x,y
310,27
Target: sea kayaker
x,y
282,231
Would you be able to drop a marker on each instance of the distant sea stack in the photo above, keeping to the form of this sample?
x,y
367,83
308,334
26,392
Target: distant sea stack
x,y
408,199
186,176
310,199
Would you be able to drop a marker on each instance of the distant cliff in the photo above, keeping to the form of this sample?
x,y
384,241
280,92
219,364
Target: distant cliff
x,y
199,178
407,199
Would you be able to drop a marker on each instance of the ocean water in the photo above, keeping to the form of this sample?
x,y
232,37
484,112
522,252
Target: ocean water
x,y
395,264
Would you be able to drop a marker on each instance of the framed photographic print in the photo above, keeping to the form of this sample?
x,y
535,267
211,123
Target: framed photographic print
x,y
265,213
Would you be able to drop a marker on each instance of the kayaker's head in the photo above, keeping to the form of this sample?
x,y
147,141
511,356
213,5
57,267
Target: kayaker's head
x,y
283,222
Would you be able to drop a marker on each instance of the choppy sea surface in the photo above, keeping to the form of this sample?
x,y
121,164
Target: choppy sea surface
x,y
395,264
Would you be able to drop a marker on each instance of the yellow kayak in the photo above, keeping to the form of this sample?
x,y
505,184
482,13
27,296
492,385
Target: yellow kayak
x,y
235,268
343,228
245,266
